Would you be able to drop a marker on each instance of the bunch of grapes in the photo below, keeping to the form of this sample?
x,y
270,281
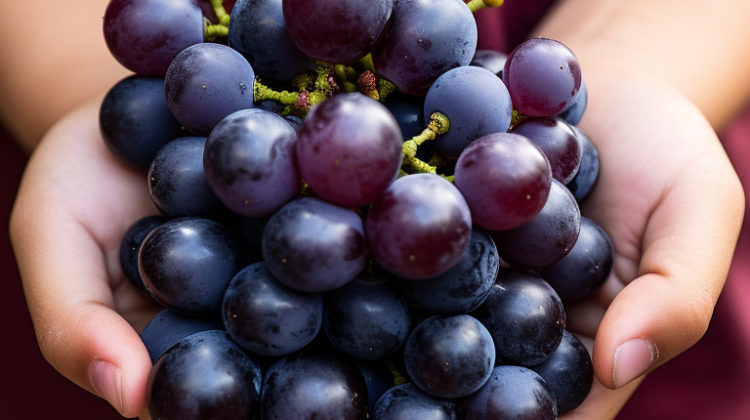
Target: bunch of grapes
x,y
362,215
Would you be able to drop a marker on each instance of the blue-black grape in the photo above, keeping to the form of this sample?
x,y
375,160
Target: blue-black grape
x,y
135,121
131,244
464,286
378,377
574,113
406,402
367,320
557,140
177,182
204,376
187,263
250,162
314,246
168,327
512,392
205,83
265,317
525,317
449,356
588,172
491,60
568,372
476,103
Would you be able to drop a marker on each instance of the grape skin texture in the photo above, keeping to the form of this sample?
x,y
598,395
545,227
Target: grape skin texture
x,y
135,121
131,244
349,149
420,226
558,141
146,35
449,356
406,402
475,101
424,39
542,76
505,178
313,246
250,162
206,375
168,327
339,31
205,83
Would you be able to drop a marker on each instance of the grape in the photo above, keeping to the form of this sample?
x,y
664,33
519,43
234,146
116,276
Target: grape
x,y
349,149
205,375
475,101
568,372
131,244
512,392
257,30
314,246
336,31
145,35
267,318
205,83
588,172
419,227
464,286
135,121
548,237
177,182
491,60
574,113
168,327
250,162
424,39
587,265
525,317
542,76
505,178
187,264
378,378
367,320
311,385
558,141
406,402
408,111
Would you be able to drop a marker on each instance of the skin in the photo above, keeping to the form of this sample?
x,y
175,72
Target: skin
x,y
667,195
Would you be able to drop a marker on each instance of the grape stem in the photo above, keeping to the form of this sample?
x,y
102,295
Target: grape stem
x,y
221,12
398,377
211,31
439,124
477,5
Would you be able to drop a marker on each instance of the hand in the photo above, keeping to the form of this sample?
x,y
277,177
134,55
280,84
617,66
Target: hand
x,y
672,205
75,202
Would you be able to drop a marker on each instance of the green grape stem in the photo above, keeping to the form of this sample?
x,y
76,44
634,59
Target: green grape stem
x,y
439,124
477,5
398,377
221,12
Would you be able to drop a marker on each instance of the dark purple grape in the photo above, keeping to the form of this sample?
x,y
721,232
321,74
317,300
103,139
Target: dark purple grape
x,y
424,39
145,35
131,244
558,141
464,286
313,246
574,113
548,237
340,31
586,266
187,264
177,182
588,172
257,31
543,77
250,162
314,386
449,356
378,377
168,327
476,103
512,392
349,149
367,320
135,121
204,376
419,227
404,402
568,372
505,179
524,316
265,317
207,82
491,60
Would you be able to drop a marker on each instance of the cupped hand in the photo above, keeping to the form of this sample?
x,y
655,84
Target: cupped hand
x,y
672,204
75,202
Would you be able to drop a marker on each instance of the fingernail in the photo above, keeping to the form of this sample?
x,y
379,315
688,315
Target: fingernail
x,y
106,379
632,359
